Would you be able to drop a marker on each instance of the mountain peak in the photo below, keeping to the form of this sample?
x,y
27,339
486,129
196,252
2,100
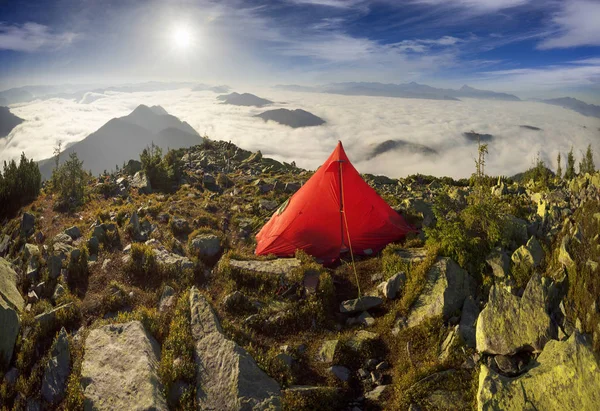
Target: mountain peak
x,y
466,87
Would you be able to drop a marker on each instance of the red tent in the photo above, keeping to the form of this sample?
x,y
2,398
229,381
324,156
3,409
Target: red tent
x,y
334,210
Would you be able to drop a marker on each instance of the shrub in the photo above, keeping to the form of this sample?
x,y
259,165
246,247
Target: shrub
x,y
142,262
78,270
19,185
69,181
163,173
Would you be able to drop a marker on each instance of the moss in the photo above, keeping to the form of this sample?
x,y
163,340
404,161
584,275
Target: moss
x,y
322,399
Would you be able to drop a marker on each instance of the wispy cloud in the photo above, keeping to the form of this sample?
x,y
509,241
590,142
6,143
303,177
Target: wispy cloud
x,y
577,24
477,5
30,37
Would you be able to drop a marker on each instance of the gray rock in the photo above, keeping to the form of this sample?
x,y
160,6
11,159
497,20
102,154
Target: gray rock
x,y
340,372
206,245
4,244
365,319
28,223
412,255
59,291
360,304
142,183
180,225
389,289
445,291
236,300
11,376
73,232
63,238
565,377
120,369
167,258
328,351
93,244
167,299
285,359
447,344
529,255
54,266
57,370
499,261
506,364
468,320
11,304
268,205
228,377
509,324
378,392
280,266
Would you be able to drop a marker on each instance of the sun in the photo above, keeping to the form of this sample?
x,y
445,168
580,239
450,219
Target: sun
x,y
182,37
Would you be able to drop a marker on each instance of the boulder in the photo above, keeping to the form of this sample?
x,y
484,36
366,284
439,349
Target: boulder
x,y
11,304
54,266
4,244
447,286
57,369
46,319
167,299
389,289
360,304
227,376
499,261
340,372
73,232
120,369
509,324
170,259
63,238
328,351
141,182
206,245
566,376
529,255
564,257
468,320
28,223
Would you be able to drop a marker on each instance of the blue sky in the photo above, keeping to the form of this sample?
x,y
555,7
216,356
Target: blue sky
x,y
531,47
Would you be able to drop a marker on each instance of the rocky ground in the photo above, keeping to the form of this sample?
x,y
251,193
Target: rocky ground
x,y
154,300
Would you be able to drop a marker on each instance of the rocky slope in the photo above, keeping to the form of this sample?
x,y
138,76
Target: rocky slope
x,y
143,299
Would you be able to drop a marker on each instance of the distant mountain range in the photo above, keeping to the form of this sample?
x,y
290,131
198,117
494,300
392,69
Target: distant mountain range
x,y
124,138
402,146
245,99
406,90
293,118
216,89
8,121
579,106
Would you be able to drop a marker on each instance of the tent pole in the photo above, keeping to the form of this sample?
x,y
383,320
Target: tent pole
x,y
343,211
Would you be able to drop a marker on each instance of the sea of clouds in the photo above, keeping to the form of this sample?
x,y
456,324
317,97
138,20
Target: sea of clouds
x,y
358,121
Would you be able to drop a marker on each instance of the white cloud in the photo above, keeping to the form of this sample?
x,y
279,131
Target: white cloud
x,y
477,5
578,24
577,73
31,37
357,121
343,4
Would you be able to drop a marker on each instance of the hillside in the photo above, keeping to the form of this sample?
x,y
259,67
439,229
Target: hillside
x,y
122,139
8,121
491,305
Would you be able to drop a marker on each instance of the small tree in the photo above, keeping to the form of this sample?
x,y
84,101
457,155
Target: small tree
x,y
570,172
559,168
69,181
57,151
587,162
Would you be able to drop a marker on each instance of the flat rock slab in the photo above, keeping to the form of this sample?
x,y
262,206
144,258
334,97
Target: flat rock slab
x,y
509,324
360,304
227,376
280,266
412,255
566,377
447,286
120,369
11,303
